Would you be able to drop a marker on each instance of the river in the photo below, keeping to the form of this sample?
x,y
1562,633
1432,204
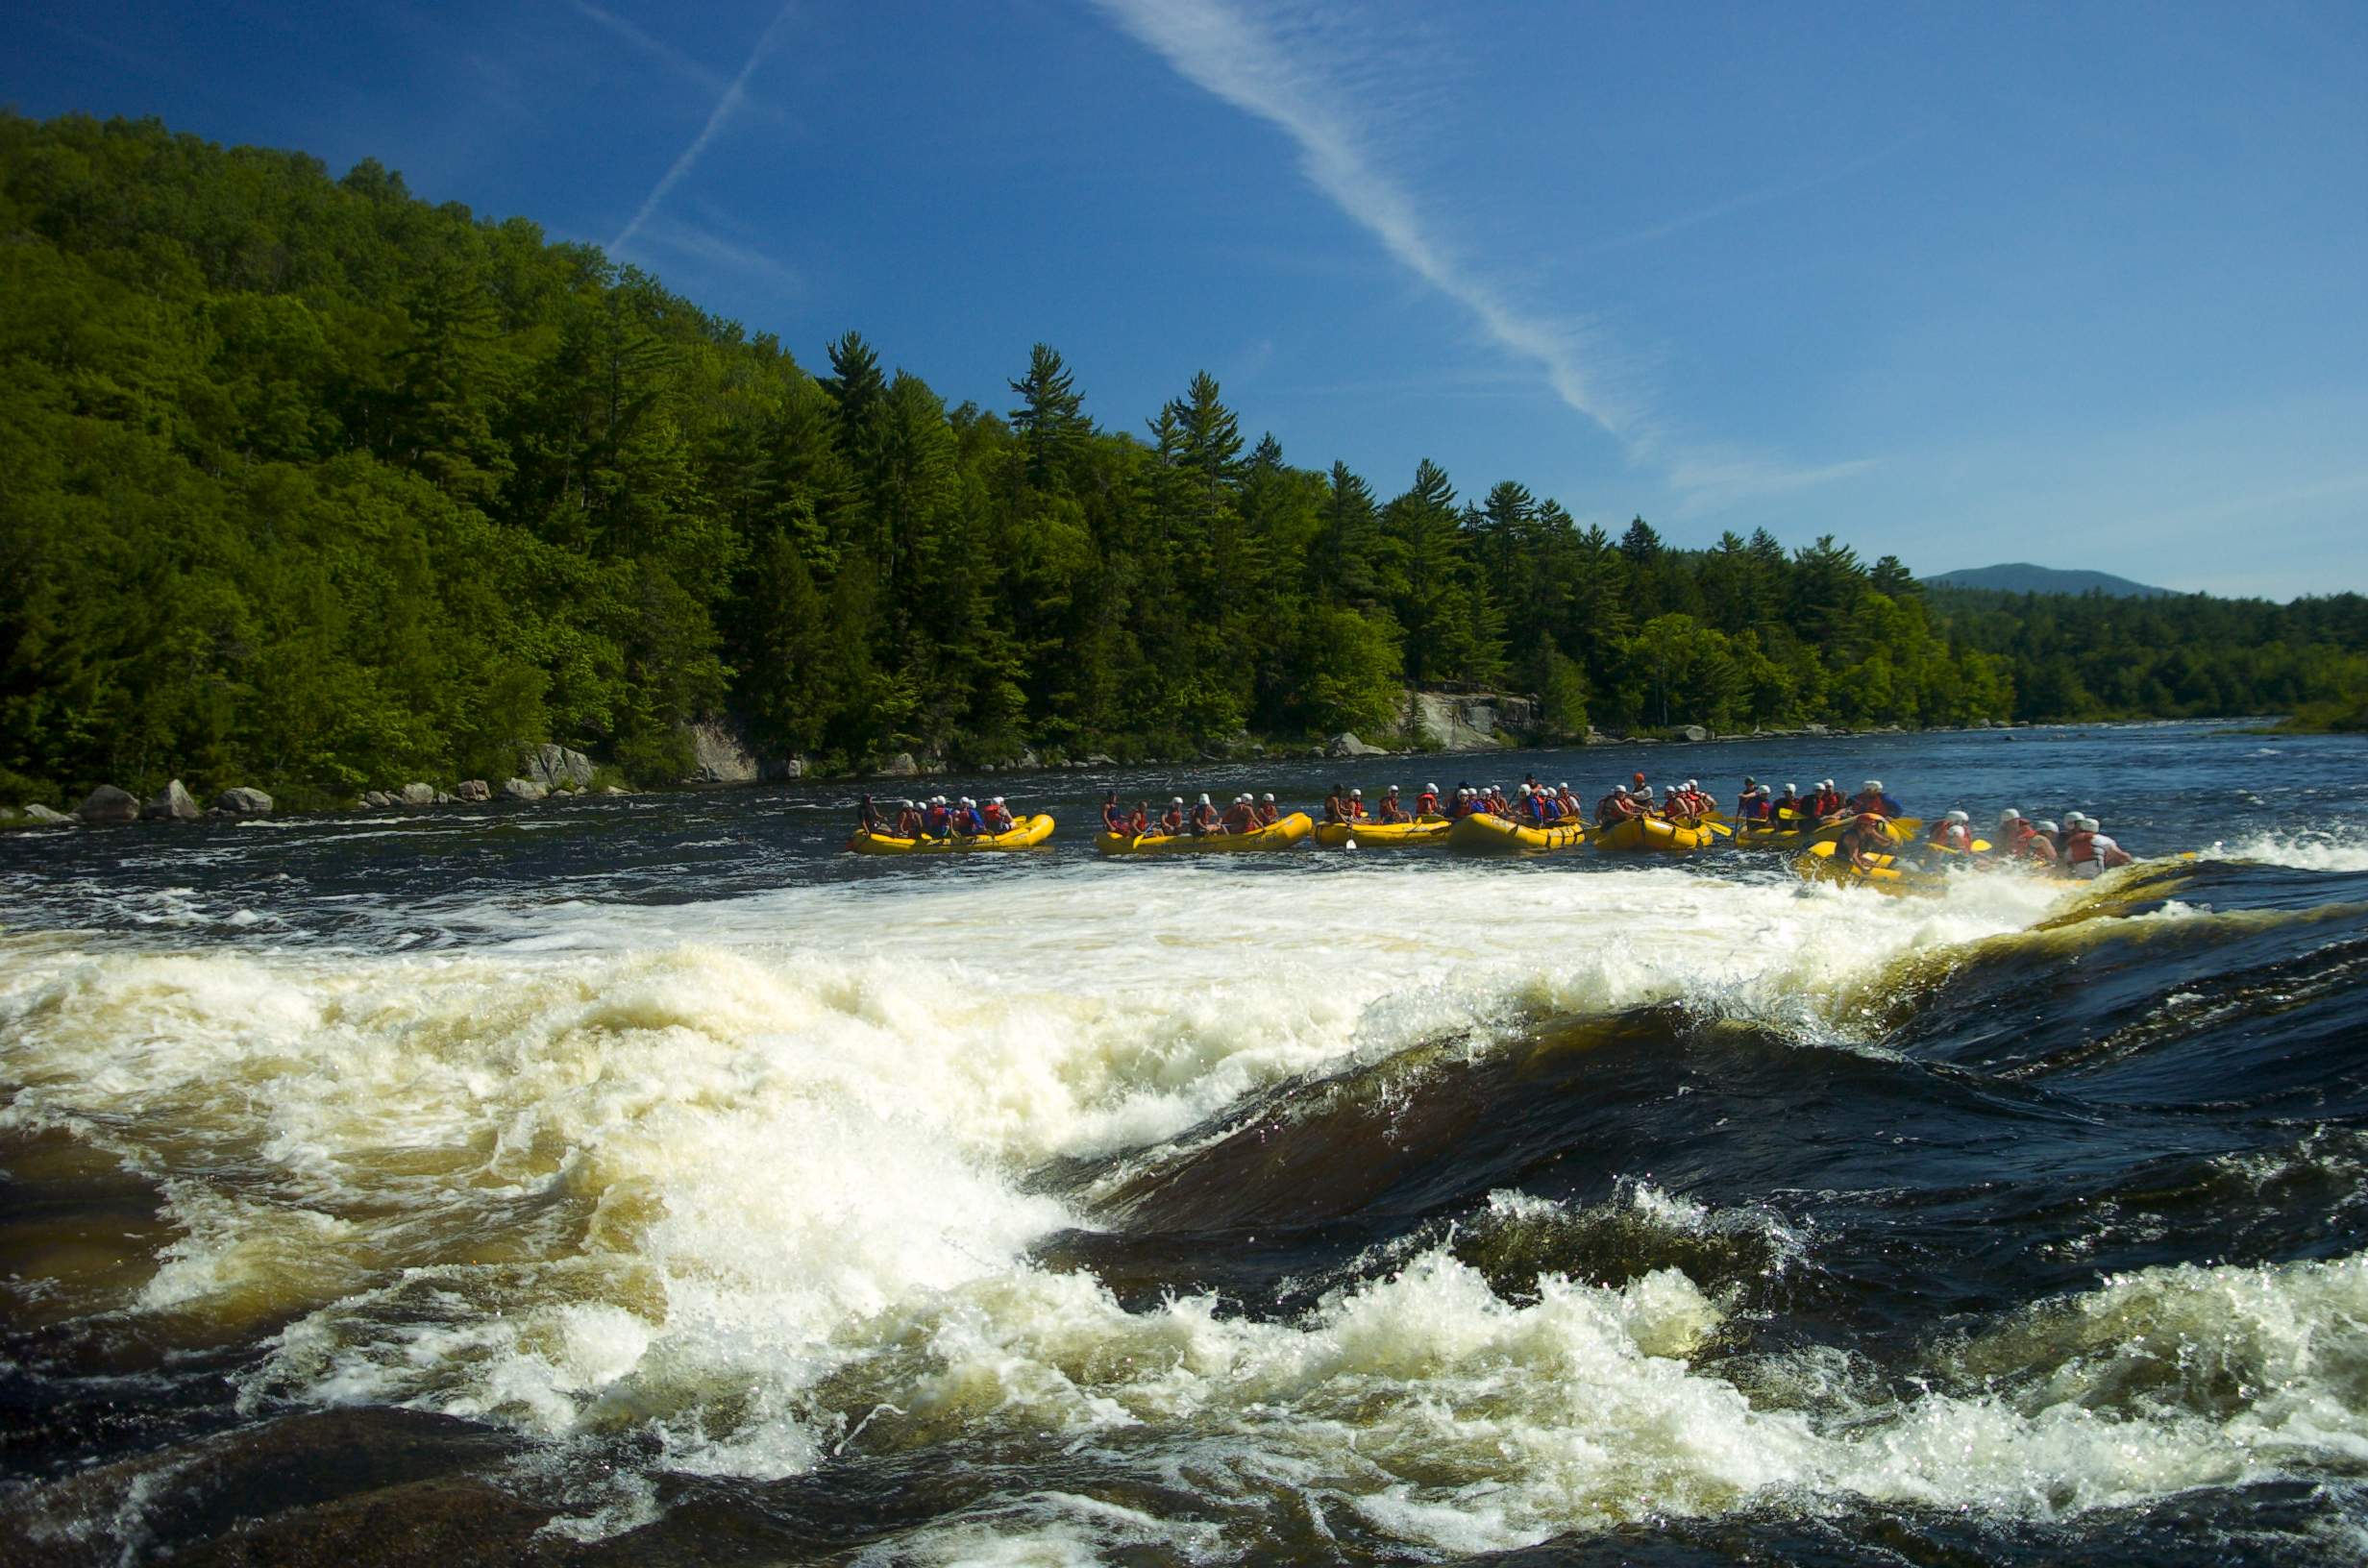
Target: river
x,y
647,1178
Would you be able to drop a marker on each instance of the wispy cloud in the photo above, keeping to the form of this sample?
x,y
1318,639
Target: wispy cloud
x,y
674,60
726,105
1259,63
705,244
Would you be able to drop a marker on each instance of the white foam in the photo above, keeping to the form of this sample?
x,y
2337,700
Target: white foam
x,y
2344,849
737,1173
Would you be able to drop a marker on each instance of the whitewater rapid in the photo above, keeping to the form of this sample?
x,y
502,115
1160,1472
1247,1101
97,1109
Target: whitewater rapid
x,y
752,1176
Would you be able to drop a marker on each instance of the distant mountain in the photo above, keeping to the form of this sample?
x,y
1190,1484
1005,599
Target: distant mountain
x,y
2023,577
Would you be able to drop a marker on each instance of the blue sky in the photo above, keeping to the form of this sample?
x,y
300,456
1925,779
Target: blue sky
x,y
2086,286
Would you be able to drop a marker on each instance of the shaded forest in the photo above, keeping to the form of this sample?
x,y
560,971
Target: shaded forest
x,y
308,483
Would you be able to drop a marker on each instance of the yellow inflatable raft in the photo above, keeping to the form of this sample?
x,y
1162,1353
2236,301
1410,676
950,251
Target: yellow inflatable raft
x,y
1420,831
1889,873
1280,835
1658,833
1484,833
1903,828
1026,834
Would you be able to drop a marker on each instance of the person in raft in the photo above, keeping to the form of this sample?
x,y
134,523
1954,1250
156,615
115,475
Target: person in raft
x,y
1952,833
937,817
1242,815
867,818
998,816
1172,822
2087,852
909,823
1336,804
1269,814
1751,807
1871,797
1203,819
2018,839
1826,804
1867,837
1788,810
1426,805
1114,816
1617,807
1390,811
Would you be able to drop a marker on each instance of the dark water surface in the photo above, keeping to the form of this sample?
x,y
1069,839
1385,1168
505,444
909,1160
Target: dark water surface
x,y
650,1181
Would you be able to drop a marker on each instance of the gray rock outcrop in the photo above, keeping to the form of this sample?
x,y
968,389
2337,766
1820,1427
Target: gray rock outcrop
x,y
376,797
416,795
239,800
1689,732
172,803
43,814
1346,744
901,765
522,789
1456,723
552,766
472,790
719,756
108,805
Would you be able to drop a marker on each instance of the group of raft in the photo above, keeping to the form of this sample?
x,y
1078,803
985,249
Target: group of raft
x,y
1863,838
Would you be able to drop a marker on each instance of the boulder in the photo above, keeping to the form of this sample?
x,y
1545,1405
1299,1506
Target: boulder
x,y
780,767
416,795
106,805
1456,723
172,803
1097,759
1346,744
471,789
614,790
901,765
242,801
443,799
1689,732
719,754
551,765
42,814
522,789
376,797
1028,758
1812,729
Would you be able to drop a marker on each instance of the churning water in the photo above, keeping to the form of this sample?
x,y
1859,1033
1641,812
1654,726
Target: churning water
x,y
649,1181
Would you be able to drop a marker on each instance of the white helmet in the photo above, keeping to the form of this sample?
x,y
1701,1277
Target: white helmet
x,y
1433,788
1619,788
1958,817
1875,784
1792,789
2047,827
1204,799
1269,797
1178,801
2012,814
1524,791
998,801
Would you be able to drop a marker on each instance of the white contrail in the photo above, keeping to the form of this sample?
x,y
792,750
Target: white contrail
x,y
723,110
1247,61
1241,61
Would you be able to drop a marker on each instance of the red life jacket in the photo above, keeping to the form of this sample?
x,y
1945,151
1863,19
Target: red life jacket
x,y
1426,805
2078,845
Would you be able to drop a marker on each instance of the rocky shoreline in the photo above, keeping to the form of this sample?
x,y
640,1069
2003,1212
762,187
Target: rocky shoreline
x,y
558,773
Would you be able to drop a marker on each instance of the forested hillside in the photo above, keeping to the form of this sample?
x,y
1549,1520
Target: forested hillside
x,y
309,483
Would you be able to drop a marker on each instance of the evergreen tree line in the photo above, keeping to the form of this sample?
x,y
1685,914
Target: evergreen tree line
x,y
310,484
